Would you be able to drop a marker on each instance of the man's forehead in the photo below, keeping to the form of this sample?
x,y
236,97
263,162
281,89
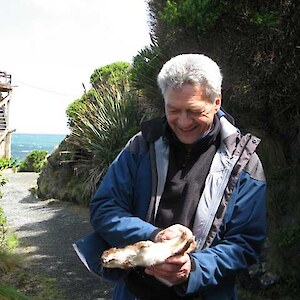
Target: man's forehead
x,y
194,104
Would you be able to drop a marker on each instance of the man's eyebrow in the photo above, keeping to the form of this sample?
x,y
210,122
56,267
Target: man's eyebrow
x,y
170,105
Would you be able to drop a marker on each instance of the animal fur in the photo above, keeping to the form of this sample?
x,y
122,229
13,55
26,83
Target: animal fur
x,y
147,253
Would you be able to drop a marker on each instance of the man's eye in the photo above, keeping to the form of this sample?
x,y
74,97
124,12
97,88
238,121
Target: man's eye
x,y
197,112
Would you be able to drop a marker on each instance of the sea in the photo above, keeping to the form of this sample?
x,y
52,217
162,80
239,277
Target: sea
x,y
23,144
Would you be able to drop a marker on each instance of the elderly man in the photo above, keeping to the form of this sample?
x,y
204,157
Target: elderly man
x,y
190,171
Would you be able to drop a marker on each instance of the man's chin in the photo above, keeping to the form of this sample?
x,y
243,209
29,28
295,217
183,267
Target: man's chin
x,y
186,141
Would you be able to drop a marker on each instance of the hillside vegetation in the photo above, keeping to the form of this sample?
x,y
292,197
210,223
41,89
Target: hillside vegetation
x,y
256,43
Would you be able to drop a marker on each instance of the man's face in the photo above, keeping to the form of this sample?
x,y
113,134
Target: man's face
x,y
189,112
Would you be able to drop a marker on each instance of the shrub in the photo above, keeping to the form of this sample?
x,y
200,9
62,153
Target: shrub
x,y
8,260
101,133
33,161
145,68
112,74
115,74
190,13
8,293
73,107
8,241
7,163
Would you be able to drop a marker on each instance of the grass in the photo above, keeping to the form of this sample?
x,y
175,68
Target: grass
x,y
18,282
34,285
8,293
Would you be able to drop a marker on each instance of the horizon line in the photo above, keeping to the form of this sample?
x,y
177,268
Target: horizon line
x,y
53,133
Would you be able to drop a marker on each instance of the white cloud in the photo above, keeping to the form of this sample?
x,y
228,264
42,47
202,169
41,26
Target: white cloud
x,y
56,45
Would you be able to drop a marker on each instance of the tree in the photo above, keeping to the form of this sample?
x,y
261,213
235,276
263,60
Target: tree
x,y
111,74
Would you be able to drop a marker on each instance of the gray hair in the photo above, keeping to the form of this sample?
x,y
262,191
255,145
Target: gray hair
x,y
196,69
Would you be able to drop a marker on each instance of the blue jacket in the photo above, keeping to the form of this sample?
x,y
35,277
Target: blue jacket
x,y
230,218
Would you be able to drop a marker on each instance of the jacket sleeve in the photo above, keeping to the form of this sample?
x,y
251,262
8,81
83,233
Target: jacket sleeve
x,y
114,213
240,239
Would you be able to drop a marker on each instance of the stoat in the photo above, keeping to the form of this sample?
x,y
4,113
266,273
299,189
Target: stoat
x,y
147,253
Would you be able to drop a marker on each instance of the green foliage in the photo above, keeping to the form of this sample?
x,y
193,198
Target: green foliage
x,y
290,237
7,163
101,122
287,244
77,105
8,260
8,293
37,286
3,230
117,73
59,178
3,180
33,161
202,14
268,19
283,213
74,106
101,133
146,66
8,242
111,74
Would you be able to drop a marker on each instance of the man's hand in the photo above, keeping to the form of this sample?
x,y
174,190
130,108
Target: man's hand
x,y
175,269
172,232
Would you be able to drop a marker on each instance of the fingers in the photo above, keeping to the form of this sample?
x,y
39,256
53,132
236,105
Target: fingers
x,y
173,232
174,278
177,277
178,259
176,269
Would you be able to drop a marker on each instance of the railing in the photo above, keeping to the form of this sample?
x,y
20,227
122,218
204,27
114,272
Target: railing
x,y
5,133
5,78
5,82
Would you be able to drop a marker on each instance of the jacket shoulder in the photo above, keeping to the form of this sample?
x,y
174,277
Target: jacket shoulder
x,y
152,130
137,144
254,168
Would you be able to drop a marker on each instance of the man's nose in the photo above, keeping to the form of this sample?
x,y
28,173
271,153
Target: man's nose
x,y
184,119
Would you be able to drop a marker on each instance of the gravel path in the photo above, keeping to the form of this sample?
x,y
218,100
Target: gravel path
x,y
46,230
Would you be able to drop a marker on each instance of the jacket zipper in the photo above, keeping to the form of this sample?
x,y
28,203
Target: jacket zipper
x,y
184,166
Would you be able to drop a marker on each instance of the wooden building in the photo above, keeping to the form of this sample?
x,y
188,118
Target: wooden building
x,y
5,132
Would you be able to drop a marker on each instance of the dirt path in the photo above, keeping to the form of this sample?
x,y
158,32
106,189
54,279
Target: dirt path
x,y
46,230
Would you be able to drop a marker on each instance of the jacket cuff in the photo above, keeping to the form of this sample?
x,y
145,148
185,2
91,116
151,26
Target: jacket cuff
x,y
183,288
154,234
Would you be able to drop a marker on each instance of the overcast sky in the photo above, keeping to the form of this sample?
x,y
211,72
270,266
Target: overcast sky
x,y
51,47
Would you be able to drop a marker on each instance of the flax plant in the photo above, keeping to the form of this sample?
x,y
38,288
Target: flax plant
x,y
100,128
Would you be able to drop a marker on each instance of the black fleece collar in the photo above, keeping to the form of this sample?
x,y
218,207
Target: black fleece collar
x,y
200,143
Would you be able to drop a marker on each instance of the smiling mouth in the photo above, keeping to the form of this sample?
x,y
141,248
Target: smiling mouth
x,y
187,130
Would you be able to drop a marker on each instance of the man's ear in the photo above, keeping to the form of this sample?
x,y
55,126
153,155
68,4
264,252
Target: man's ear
x,y
218,103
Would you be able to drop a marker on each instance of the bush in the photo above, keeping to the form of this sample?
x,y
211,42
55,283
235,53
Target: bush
x,y
112,74
190,13
8,260
115,75
101,133
145,68
8,293
59,179
33,161
7,163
